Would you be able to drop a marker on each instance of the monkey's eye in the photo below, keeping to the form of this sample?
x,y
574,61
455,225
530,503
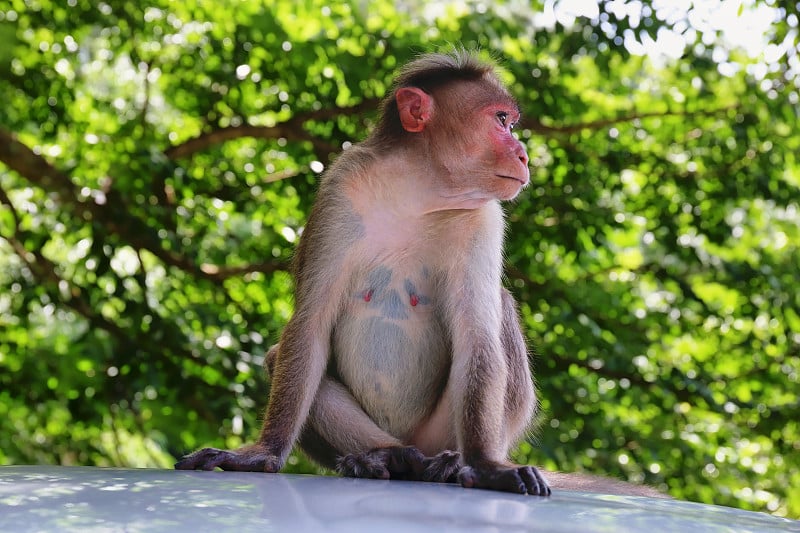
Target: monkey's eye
x,y
502,116
504,120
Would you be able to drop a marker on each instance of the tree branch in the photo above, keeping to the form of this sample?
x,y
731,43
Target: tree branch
x,y
218,136
219,273
35,168
291,129
112,215
537,126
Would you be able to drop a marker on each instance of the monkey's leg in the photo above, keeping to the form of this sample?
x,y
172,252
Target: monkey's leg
x,y
341,435
443,467
345,431
336,426
520,403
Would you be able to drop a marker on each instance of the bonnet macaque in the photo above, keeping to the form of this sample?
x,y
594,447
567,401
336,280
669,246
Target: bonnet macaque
x,y
404,357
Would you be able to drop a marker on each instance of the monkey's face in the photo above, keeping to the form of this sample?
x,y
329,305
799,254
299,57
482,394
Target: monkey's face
x,y
470,137
485,160
505,157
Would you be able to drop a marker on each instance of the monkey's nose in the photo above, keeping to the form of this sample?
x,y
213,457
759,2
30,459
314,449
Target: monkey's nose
x,y
522,154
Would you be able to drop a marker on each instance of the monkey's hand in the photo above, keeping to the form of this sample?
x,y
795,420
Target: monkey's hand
x,y
519,479
394,462
249,459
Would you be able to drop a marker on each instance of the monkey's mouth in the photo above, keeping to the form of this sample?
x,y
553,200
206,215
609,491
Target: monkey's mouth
x,y
521,181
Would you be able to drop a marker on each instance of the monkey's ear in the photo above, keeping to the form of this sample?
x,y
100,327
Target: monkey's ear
x,y
415,107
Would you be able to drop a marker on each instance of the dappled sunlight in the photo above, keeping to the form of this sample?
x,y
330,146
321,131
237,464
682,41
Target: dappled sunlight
x,y
157,166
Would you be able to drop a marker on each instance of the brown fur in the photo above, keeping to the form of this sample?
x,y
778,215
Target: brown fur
x,y
404,357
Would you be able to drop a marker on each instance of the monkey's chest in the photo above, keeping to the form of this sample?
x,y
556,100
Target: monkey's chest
x,y
390,347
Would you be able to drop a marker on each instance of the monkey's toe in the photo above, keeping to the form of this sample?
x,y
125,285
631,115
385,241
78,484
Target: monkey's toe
x,y
394,462
535,483
520,480
361,465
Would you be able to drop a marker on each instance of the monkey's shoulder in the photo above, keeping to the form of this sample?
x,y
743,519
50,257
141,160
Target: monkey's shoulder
x,y
349,167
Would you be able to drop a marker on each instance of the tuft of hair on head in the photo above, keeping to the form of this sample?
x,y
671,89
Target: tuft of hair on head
x,y
430,72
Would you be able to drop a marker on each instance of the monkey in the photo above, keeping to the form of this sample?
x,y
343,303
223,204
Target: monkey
x,y
404,357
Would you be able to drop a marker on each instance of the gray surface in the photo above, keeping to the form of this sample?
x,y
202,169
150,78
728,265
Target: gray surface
x,y
46,498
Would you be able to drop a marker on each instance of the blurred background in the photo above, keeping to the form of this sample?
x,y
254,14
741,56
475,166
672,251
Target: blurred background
x,y
158,160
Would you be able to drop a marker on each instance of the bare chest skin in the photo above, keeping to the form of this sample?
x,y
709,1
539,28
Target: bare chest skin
x,y
390,346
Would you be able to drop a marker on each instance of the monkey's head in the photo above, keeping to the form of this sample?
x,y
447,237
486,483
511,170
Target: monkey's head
x,y
452,109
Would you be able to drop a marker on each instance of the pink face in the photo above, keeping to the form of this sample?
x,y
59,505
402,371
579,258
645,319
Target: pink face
x,y
474,143
504,154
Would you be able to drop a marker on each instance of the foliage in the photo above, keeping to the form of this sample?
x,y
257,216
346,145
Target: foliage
x,y
157,164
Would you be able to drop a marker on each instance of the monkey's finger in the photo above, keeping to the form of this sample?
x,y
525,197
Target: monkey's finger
x,y
535,484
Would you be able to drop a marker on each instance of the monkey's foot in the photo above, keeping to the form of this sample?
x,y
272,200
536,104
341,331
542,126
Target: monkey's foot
x,y
519,479
443,468
245,460
396,462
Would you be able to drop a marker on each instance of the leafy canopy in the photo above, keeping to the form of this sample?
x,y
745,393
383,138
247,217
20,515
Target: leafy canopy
x,y
157,163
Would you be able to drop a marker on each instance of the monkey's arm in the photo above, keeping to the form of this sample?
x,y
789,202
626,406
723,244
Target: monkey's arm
x,y
302,354
489,367
300,363
497,403
339,419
